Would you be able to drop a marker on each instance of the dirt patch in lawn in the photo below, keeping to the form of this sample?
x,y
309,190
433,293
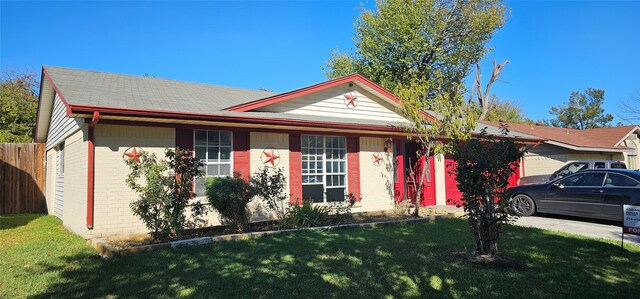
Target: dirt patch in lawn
x,y
498,261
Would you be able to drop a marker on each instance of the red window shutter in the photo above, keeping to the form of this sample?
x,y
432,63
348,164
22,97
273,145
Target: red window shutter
x,y
184,139
295,168
398,186
241,154
353,166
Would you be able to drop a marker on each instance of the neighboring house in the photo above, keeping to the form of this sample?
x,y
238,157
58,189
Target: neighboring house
x,y
333,138
564,145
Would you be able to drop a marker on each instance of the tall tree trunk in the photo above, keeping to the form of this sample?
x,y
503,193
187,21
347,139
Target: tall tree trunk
x,y
423,173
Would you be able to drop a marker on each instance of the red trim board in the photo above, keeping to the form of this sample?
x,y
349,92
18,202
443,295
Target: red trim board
x,y
91,164
241,154
353,166
398,186
295,168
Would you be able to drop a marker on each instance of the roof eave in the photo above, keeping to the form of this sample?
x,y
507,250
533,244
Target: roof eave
x,y
106,111
588,149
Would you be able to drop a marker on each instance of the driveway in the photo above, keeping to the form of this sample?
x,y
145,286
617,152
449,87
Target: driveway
x,y
580,226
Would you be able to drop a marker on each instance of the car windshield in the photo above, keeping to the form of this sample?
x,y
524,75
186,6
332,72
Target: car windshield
x,y
572,168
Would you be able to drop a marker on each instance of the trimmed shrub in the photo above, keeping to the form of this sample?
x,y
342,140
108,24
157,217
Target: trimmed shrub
x,y
230,196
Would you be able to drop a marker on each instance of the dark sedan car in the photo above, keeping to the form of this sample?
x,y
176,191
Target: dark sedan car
x,y
597,193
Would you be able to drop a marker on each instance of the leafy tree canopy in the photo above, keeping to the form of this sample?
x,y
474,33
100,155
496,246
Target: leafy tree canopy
x,y
422,50
507,111
18,104
427,41
583,111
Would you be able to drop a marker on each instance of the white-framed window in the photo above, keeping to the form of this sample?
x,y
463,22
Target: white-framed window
x,y
214,149
324,168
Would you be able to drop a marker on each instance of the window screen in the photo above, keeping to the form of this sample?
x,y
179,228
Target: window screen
x,y
213,148
324,168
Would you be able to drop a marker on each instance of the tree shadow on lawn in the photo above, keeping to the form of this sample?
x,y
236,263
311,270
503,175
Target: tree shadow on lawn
x,y
10,221
411,260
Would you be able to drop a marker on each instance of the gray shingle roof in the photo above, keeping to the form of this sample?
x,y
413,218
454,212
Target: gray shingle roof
x,y
91,88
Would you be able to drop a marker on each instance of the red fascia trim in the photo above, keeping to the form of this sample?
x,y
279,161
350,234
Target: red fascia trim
x,y
353,166
224,118
91,169
55,87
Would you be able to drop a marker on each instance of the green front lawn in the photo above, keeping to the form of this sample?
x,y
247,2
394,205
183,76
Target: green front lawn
x,y
39,258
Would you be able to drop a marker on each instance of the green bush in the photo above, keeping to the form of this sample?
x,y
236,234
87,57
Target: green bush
x,y
307,214
166,191
230,196
270,185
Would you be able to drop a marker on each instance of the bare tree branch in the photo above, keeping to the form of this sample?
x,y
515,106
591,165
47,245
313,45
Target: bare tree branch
x,y
483,97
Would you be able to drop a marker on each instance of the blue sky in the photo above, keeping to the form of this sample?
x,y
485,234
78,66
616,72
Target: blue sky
x,y
554,47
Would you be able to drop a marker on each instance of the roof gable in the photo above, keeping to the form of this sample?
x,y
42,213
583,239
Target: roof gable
x,y
357,79
346,100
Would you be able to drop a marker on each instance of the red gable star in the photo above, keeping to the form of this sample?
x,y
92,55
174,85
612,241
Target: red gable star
x,y
377,159
271,157
133,154
351,99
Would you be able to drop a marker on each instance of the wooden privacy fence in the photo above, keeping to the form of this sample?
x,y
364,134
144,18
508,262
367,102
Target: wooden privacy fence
x,y
22,178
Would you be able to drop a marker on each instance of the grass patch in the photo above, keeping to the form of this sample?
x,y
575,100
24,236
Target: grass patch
x,y
41,259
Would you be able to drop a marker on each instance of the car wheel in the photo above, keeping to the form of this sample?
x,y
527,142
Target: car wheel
x,y
523,205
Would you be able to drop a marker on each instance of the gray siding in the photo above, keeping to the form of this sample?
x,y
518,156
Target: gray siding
x,y
61,126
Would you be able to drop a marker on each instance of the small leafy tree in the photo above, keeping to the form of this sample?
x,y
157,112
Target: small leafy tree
x,y
583,111
230,196
166,191
452,118
270,185
18,104
483,167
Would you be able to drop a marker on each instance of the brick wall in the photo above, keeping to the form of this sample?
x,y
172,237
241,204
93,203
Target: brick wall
x,y
376,181
50,180
112,214
259,142
75,182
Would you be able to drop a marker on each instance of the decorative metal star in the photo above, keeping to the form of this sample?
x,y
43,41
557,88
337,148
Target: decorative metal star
x,y
133,154
271,157
351,99
377,159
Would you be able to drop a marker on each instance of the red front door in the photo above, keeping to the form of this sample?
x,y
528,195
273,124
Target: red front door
x,y
413,171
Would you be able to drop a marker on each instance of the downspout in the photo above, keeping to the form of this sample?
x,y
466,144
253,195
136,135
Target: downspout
x,y
91,168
